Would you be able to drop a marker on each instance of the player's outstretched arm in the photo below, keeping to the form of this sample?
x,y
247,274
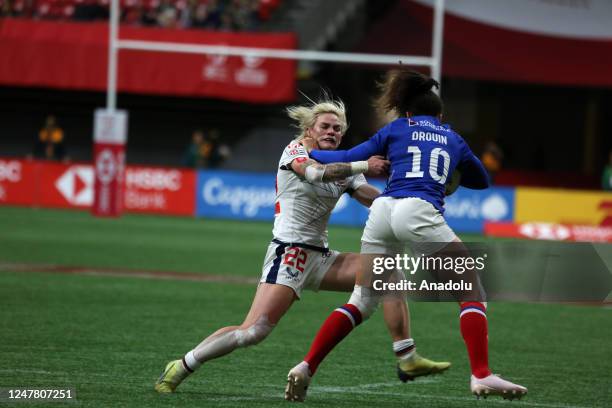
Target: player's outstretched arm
x,y
362,151
317,172
313,171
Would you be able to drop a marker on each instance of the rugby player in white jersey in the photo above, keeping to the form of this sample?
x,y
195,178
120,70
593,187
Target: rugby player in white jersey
x,y
298,257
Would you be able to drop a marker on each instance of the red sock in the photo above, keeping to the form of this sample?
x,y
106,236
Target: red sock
x,y
473,323
337,326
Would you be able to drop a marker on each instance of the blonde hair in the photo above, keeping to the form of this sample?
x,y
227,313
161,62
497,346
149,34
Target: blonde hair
x,y
306,115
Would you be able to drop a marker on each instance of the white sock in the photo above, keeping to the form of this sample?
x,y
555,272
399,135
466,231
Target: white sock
x,y
305,366
190,362
404,349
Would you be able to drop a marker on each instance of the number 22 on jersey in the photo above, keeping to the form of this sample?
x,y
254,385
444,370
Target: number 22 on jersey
x,y
296,258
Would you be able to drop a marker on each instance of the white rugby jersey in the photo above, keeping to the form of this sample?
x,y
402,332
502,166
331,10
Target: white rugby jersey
x,y
303,208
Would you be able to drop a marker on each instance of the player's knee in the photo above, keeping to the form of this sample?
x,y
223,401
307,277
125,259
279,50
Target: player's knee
x,y
255,333
366,300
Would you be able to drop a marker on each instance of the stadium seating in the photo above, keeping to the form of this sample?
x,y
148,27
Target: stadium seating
x,y
133,10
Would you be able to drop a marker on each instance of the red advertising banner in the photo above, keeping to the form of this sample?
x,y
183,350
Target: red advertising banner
x,y
549,231
64,186
18,181
160,190
72,55
153,190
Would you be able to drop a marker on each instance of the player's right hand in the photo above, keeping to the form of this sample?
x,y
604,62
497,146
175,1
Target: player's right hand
x,y
378,166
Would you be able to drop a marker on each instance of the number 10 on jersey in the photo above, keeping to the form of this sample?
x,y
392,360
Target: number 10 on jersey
x,y
434,160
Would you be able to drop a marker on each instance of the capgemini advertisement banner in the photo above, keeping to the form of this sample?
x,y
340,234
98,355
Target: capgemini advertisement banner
x,y
251,196
244,196
228,194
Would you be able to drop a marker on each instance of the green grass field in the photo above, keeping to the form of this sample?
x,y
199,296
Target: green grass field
x,y
109,337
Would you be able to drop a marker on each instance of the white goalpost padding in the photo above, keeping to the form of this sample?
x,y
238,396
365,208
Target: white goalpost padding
x,y
434,62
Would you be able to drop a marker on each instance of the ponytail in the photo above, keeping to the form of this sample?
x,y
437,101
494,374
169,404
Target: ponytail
x,y
405,91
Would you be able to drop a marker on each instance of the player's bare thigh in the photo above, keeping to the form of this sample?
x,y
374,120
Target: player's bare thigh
x,y
341,276
271,300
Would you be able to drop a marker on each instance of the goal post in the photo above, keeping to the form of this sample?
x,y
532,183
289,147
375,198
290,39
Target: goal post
x,y
434,61
109,160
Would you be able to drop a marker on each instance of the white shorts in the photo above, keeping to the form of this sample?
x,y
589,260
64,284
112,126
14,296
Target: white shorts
x,y
297,267
395,223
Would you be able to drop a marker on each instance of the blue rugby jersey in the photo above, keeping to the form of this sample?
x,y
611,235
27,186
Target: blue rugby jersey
x,y
423,155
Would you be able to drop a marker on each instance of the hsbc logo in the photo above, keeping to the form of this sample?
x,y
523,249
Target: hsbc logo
x,y
154,179
10,171
76,185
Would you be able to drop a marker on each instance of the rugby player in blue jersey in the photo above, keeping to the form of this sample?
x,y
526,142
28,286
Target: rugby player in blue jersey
x,y
424,154
299,257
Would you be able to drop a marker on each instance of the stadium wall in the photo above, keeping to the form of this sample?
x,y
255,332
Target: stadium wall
x,y
251,196
35,183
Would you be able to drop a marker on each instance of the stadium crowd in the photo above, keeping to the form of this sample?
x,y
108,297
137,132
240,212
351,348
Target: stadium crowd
x,y
223,15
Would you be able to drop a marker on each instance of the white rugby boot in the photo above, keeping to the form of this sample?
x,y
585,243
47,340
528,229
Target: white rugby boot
x,y
297,383
495,385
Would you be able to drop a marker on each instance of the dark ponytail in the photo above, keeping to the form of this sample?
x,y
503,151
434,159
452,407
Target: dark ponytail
x,y
408,91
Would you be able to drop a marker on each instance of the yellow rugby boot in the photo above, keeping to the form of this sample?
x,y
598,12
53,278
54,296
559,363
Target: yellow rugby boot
x,y
417,366
172,376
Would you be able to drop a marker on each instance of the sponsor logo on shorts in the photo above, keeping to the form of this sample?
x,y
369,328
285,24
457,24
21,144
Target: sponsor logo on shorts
x,y
293,275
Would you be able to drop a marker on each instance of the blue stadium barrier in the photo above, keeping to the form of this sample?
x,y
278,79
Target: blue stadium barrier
x,y
235,195
467,210
250,196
